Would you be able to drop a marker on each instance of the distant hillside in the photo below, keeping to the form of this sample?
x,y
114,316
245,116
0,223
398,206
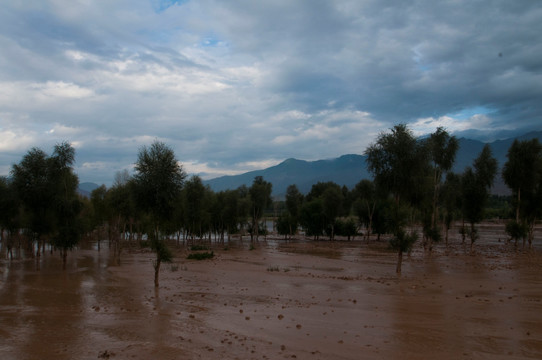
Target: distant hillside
x,y
350,169
345,170
86,188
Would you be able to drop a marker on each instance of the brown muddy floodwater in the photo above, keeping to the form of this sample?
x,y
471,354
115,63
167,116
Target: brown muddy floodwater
x,y
303,300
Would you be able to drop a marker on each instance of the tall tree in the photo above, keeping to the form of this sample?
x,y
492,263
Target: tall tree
x,y
332,200
260,196
522,172
9,214
397,161
441,148
159,179
47,187
365,204
476,185
64,183
294,200
194,193
451,200
311,217
31,180
99,214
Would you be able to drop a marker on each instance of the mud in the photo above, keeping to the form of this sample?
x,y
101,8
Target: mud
x,y
304,300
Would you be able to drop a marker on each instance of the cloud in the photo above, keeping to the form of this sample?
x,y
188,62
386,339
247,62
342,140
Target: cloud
x,y
238,84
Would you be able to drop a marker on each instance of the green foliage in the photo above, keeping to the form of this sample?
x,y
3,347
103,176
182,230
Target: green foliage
x,y
163,252
194,201
516,230
286,225
403,241
346,227
47,189
260,198
475,186
312,217
294,200
397,162
158,179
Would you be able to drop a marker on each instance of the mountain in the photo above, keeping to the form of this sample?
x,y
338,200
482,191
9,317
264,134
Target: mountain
x,y
348,170
345,170
86,188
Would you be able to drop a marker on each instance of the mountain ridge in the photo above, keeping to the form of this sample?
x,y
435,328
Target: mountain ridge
x,y
349,169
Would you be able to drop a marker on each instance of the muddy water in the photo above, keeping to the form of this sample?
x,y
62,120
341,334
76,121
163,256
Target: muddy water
x,y
295,300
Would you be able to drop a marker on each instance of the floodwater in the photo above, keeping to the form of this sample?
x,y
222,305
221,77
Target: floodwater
x,y
304,300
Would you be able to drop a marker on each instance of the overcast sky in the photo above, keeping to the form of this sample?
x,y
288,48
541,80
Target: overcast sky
x,y
234,86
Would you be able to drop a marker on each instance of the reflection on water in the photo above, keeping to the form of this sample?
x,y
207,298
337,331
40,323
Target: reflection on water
x,y
46,312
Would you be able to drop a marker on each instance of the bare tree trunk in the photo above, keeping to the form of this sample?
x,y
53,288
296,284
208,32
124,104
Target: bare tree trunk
x,y
157,271
64,257
399,262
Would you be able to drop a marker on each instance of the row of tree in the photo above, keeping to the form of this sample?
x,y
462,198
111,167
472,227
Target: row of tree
x,y
412,185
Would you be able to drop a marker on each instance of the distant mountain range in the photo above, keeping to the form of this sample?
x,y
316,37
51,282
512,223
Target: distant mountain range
x,y
346,170
350,169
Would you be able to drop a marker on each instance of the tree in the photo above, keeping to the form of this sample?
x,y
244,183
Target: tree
x,y
441,148
47,188
397,162
31,180
451,200
99,214
121,207
476,184
294,201
158,179
9,214
64,183
522,172
365,204
260,196
312,217
332,200
194,192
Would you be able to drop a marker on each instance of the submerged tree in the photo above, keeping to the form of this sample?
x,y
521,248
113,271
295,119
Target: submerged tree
x,y
64,183
31,181
365,204
47,188
441,148
9,215
522,172
475,186
294,201
260,197
397,162
158,179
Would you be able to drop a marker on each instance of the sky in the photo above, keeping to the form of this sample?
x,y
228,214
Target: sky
x,y
235,86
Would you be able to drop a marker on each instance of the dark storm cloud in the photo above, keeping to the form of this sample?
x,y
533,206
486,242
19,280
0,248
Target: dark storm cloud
x,y
236,85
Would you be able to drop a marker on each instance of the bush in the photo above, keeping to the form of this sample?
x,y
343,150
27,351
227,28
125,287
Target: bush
x,y
201,256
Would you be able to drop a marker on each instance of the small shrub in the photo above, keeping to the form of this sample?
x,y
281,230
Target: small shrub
x,y
198,247
273,268
144,243
201,256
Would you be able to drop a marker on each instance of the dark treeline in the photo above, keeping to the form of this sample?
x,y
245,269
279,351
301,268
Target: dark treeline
x,y
412,188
